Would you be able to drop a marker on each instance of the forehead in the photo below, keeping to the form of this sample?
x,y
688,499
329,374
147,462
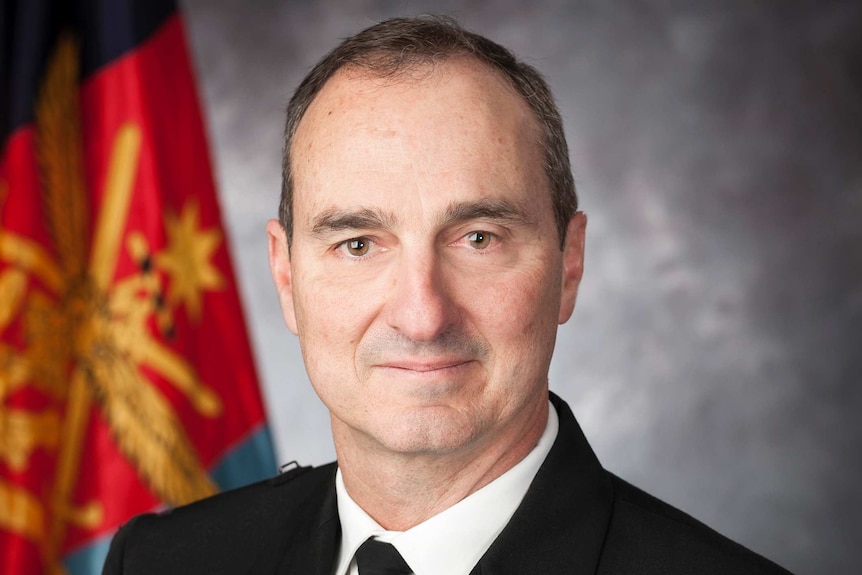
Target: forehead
x,y
444,123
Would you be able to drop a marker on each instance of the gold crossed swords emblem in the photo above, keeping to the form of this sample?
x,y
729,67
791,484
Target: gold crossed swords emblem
x,y
86,336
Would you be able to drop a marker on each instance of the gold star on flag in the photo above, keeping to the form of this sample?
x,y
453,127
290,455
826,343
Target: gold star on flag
x,y
187,259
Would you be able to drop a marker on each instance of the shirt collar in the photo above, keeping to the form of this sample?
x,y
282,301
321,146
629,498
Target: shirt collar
x,y
455,539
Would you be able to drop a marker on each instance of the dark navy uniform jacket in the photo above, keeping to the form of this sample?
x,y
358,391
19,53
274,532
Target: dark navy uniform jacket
x,y
576,518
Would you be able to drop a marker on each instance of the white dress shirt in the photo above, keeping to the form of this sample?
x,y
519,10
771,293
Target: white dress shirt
x,y
453,541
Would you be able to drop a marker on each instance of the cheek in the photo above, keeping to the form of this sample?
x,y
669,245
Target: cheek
x,y
326,338
329,305
332,319
518,319
516,305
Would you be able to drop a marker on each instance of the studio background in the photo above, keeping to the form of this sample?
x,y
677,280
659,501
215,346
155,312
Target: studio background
x,y
714,357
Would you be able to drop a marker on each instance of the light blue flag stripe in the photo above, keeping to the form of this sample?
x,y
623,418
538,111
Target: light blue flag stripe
x,y
251,461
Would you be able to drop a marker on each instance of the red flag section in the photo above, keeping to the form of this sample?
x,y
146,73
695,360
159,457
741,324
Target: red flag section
x,y
126,379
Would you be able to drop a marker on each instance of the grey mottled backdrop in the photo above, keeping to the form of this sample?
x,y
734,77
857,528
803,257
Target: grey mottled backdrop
x,y
714,358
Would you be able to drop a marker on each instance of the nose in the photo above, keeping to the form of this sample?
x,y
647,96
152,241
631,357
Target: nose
x,y
419,305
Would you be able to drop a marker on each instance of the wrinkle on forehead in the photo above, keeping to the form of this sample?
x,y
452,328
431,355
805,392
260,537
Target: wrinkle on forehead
x,y
353,98
422,135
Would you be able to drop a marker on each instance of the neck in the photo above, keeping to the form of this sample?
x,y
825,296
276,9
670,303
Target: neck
x,y
401,490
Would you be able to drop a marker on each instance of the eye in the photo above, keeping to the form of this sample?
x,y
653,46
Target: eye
x,y
479,240
357,246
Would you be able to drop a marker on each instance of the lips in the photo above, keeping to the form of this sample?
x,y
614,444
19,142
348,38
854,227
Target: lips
x,y
425,365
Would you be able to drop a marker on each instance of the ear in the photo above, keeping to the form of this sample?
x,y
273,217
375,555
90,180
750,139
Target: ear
x,y
279,266
573,265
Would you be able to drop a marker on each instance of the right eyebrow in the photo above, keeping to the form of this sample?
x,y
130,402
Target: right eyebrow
x,y
488,209
334,219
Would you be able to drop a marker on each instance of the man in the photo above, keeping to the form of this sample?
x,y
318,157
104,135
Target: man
x,y
428,246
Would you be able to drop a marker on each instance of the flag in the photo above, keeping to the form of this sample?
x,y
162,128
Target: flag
x,y
126,379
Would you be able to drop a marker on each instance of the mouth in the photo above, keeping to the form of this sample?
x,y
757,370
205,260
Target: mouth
x,y
425,366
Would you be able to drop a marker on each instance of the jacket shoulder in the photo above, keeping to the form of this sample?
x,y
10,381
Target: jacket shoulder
x,y
647,536
223,531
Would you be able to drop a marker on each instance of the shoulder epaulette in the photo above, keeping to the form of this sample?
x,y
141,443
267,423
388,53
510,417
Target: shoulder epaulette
x,y
289,471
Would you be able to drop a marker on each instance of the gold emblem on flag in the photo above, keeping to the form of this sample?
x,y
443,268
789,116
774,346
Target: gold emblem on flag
x,y
87,336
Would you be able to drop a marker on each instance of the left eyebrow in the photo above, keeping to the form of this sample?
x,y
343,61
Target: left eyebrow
x,y
493,209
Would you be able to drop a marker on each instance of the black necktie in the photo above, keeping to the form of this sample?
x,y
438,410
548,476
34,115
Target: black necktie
x,y
378,558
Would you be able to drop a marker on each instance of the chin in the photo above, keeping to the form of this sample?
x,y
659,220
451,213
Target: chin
x,y
427,432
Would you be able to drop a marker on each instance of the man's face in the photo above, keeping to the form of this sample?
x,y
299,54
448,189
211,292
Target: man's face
x,y
425,278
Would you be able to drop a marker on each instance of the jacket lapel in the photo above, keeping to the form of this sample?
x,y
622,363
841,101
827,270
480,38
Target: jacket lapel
x,y
561,523
317,554
306,539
